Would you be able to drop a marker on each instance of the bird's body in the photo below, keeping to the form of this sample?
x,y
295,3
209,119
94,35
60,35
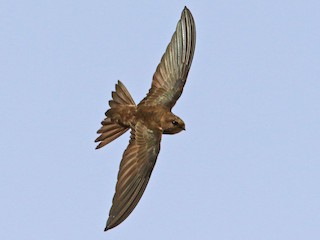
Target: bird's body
x,y
148,120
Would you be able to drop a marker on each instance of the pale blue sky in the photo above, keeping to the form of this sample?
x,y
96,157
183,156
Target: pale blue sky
x,y
248,166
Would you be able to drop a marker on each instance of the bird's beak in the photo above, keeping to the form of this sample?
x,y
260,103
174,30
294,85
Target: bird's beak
x,y
184,128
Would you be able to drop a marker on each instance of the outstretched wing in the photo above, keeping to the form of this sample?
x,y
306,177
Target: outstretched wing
x,y
135,170
171,74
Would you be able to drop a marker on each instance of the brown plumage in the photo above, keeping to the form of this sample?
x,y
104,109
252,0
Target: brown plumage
x,y
148,120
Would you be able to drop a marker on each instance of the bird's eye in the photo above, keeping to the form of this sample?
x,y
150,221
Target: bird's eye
x,y
175,123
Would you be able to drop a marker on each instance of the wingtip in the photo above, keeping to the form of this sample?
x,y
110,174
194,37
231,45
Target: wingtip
x,y
108,227
185,9
186,13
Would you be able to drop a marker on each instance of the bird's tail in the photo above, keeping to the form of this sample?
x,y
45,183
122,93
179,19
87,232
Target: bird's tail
x,y
118,117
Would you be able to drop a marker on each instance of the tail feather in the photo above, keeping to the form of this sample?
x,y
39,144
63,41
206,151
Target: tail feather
x,y
112,128
107,125
121,96
109,132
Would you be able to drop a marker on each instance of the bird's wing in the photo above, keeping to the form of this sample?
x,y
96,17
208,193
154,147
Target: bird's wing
x,y
171,73
135,169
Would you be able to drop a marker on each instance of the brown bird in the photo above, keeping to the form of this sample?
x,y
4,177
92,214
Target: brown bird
x,y
148,120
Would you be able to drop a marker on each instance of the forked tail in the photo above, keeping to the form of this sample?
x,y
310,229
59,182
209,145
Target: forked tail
x,y
113,126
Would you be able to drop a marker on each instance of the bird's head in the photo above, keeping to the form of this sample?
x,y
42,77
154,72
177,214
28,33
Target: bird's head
x,y
172,124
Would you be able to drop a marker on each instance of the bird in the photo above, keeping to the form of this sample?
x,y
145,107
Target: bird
x,y
148,120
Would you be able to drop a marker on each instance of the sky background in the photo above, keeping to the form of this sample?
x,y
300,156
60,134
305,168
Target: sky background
x,y
248,166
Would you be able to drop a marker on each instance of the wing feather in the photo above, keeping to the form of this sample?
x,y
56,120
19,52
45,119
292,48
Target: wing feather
x,y
171,73
135,170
